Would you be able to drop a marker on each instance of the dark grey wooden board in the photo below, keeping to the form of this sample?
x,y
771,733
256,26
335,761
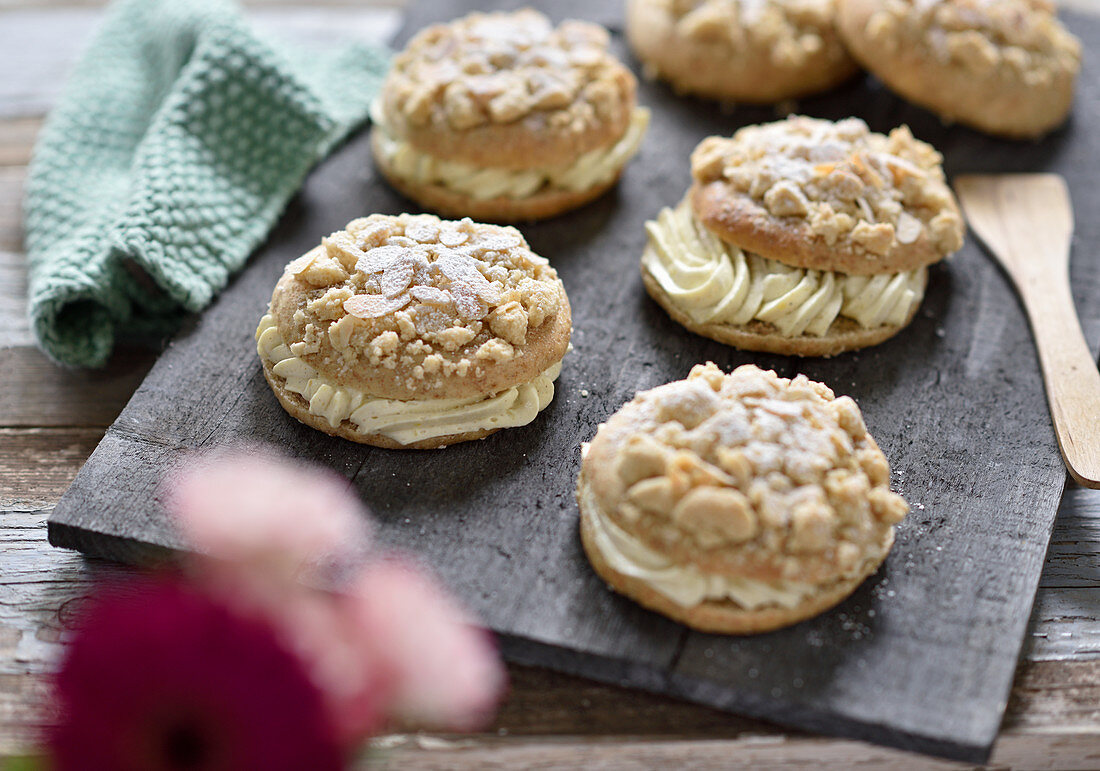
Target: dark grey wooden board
x,y
921,657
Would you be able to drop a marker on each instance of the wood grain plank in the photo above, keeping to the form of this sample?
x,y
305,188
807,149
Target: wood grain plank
x,y
15,327
1073,560
44,587
644,723
17,137
11,208
38,392
41,591
38,464
1049,703
1057,753
948,611
1070,627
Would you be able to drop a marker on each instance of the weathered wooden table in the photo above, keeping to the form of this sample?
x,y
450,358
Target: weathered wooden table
x,y
51,419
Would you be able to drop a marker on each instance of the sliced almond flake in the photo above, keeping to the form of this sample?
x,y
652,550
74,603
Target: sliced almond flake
x,y
300,264
480,249
500,242
423,232
862,162
431,295
585,57
450,237
379,258
866,209
457,267
782,409
908,228
373,306
461,270
343,242
396,277
373,234
467,305
900,167
828,151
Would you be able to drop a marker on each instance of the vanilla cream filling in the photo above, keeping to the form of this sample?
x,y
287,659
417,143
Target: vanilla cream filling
x,y
594,168
686,585
716,282
403,421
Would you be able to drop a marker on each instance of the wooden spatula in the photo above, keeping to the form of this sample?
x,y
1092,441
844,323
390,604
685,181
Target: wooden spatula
x,y
1026,221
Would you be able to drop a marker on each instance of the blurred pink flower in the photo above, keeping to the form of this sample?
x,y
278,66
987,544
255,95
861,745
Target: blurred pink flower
x,y
441,670
263,524
387,644
267,514
160,676
354,685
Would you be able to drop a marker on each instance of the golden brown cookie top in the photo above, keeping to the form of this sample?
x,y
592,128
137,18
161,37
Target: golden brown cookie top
x,y
827,195
792,30
493,88
982,35
747,474
415,307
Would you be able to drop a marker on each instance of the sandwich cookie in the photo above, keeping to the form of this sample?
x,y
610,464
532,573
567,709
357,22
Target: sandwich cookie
x,y
736,503
504,117
415,332
1006,67
757,51
803,237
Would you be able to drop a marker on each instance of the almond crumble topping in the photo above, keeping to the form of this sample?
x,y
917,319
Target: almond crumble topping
x,y
438,297
791,30
499,68
780,467
981,36
844,180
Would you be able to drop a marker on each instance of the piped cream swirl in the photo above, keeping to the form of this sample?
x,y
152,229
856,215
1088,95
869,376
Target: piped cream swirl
x,y
686,585
595,167
403,421
718,283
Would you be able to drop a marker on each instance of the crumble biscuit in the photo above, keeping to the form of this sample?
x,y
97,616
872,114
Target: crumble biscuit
x,y
504,116
827,196
803,237
736,503
715,289
757,51
1006,67
445,330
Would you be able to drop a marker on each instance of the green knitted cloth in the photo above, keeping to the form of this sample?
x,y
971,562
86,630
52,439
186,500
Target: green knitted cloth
x,y
177,143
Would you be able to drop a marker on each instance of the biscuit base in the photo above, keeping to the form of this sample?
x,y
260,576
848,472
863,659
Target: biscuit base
x,y
715,71
451,203
718,616
843,334
736,218
998,103
298,408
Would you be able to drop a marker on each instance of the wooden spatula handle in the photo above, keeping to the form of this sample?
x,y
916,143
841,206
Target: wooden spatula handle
x,y
1069,371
